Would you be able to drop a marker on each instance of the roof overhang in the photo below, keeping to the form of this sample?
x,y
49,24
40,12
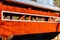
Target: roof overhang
x,y
40,5
34,4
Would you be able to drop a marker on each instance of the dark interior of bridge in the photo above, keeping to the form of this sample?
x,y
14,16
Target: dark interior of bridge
x,y
44,36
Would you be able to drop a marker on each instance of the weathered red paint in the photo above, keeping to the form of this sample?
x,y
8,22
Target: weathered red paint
x,y
10,28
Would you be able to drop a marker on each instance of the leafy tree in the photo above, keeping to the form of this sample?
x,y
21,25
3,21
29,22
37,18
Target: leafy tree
x,y
57,3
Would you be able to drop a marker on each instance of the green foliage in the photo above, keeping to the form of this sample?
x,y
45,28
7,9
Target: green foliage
x,y
57,3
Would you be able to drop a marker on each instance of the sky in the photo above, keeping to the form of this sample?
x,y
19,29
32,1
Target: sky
x,y
50,2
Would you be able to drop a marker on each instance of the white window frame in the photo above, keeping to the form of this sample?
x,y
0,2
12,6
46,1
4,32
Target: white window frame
x,y
27,14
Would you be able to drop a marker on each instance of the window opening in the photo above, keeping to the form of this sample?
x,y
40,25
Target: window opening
x,y
33,18
26,17
30,17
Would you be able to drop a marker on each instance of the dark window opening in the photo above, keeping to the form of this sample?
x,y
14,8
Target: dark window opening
x,y
27,17
7,16
46,18
30,17
33,18
39,18
15,16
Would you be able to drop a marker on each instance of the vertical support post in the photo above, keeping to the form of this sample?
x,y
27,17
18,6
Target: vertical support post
x,y
4,38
